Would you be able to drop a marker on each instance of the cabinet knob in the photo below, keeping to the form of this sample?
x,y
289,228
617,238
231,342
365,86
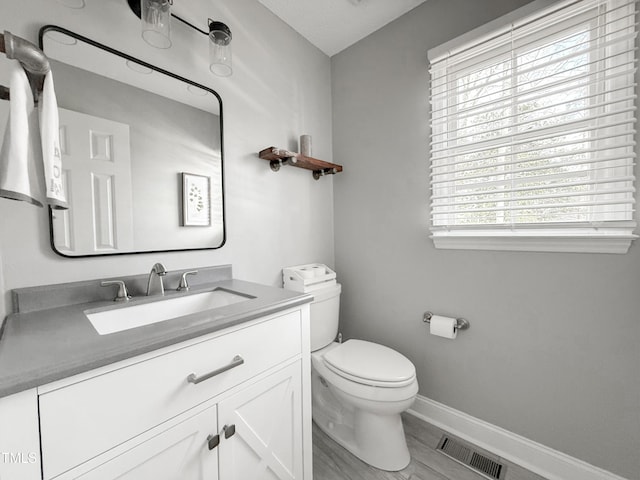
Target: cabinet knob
x,y
213,441
229,430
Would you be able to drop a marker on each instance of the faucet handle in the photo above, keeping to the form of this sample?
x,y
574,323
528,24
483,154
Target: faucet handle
x,y
123,295
184,285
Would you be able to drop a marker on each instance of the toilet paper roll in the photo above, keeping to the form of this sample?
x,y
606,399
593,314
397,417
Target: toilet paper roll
x,y
443,326
318,271
307,272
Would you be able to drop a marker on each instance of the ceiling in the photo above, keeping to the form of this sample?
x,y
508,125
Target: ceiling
x,y
333,25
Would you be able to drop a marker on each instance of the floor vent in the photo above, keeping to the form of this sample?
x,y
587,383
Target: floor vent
x,y
467,456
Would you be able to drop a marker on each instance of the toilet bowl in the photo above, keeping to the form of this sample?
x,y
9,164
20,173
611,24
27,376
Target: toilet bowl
x,y
358,388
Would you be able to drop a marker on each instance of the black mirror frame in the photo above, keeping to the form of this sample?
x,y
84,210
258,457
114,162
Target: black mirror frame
x,y
54,28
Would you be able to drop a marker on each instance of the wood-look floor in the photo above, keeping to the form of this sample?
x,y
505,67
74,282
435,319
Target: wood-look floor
x,y
332,462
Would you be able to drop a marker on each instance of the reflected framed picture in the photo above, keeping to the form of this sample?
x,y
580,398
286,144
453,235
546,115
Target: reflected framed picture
x,y
196,200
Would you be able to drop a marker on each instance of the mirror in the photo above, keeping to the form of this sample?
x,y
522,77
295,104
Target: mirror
x,y
142,153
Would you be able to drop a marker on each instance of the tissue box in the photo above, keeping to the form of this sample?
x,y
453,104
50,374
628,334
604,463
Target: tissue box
x,y
306,278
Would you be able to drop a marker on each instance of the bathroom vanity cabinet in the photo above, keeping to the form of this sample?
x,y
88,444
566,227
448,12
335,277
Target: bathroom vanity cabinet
x,y
234,404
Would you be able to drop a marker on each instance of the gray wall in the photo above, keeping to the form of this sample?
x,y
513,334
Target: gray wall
x,y
553,352
281,88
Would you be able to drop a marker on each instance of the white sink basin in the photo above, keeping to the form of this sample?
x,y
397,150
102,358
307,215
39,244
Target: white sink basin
x,y
132,316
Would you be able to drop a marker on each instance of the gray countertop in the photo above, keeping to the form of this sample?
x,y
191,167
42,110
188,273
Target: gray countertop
x,y
41,346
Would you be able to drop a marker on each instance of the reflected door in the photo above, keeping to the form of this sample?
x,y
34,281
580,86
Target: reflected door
x,y
96,163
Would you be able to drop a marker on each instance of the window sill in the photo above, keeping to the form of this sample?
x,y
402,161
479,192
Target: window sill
x,y
526,242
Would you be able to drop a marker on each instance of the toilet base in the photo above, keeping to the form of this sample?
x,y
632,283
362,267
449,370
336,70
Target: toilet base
x,y
369,428
375,439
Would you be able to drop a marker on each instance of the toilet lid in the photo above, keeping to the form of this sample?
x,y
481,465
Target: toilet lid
x,y
370,363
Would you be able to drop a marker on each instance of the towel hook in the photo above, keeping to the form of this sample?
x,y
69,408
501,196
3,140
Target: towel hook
x,y
33,60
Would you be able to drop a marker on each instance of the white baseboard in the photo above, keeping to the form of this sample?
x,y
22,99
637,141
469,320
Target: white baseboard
x,y
531,455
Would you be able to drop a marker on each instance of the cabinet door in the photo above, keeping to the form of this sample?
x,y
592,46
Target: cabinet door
x,y
264,424
180,452
19,441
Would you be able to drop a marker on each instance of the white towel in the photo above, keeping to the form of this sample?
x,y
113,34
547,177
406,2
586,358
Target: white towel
x,y
21,153
51,155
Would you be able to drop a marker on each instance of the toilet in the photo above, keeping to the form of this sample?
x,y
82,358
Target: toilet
x,y
359,388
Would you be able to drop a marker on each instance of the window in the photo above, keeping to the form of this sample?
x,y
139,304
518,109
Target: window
x,y
532,133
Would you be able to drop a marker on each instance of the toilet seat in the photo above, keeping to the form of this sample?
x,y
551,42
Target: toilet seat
x,y
359,388
370,364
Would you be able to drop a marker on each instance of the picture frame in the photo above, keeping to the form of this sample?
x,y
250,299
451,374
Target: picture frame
x,y
196,200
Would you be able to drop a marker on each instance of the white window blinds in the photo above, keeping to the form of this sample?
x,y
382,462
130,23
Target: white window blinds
x,y
532,130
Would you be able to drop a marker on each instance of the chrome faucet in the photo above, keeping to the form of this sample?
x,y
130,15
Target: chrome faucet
x,y
157,272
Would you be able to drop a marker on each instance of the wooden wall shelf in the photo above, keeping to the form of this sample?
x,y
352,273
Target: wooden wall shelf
x,y
278,157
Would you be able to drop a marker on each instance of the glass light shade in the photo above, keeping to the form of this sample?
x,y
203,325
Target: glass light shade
x,y
220,49
156,22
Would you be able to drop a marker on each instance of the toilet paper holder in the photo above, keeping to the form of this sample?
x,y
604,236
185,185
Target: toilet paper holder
x,y
461,323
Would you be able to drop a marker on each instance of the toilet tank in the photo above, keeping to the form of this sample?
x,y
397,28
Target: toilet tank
x,y
325,310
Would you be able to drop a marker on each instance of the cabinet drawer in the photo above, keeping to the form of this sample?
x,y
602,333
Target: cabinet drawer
x,y
85,419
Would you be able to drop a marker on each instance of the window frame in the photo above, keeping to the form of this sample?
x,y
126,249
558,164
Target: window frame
x,y
588,236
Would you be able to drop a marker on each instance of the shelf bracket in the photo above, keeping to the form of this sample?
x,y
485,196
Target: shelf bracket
x,y
276,164
325,171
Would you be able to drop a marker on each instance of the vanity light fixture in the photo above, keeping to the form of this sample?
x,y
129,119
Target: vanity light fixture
x,y
155,16
138,68
77,4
